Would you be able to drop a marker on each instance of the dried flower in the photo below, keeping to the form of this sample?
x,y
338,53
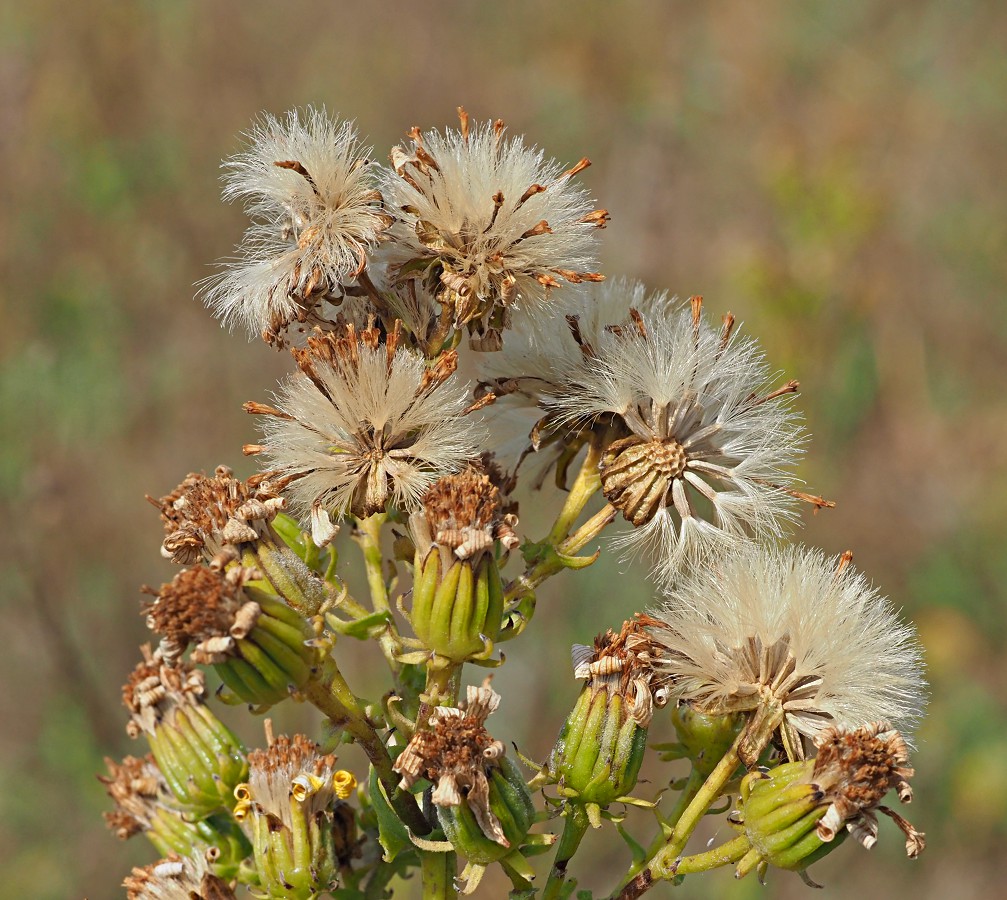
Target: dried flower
x,y
256,642
795,640
316,213
698,451
176,878
199,757
598,754
793,814
287,807
365,422
488,223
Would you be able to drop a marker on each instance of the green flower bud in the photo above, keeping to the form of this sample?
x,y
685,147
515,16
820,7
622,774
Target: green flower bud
x,y
704,739
457,602
256,643
600,749
199,758
287,806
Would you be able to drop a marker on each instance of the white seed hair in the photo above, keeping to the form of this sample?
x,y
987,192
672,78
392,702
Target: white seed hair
x,y
306,235
325,442
456,202
855,660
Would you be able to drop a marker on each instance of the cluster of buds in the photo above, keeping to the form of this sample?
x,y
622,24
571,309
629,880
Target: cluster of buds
x,y
447,328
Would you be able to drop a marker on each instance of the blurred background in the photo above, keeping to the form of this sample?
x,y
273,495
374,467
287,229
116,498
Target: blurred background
x,y
833,173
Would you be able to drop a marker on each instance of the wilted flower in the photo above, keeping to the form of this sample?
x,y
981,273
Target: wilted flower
x,y
797,641
488,223
307,186
287,807
793,814
177,878
697,451
365,422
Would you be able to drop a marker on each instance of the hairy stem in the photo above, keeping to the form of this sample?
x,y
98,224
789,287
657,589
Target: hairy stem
x,y
574,829
438,874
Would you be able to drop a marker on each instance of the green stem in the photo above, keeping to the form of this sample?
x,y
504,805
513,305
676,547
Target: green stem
x,y
662,865
438,873
723,855
583,489
332,695
574,829
369,538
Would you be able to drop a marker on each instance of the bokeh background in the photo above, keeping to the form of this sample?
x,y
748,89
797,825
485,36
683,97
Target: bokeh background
x,y
833,173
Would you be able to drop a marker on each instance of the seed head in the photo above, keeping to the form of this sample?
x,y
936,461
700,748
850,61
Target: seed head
x,y
176,878
307,186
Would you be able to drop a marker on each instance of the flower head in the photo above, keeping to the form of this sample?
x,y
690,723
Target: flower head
x,y
489,221
366,422
698,450
176,878
798,641
316,213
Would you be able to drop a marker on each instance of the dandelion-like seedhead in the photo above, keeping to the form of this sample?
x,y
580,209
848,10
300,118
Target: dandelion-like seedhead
x,y
489,221
366,422
698,449
316,213
791,627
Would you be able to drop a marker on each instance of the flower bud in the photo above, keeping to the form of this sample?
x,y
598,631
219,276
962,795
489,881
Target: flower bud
x,y
796,813
599,752
255,642
457,602
704,739
200,759
287,806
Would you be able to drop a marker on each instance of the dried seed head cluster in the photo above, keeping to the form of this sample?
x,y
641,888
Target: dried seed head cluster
x,y
311,194
488,223
787,627
156,688
456,753
463,513
206,515
176,878
366,422
856,768
626,664
138,789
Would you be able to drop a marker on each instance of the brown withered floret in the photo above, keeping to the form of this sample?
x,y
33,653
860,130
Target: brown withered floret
x,y
137,787
207,608
624,662
463,512
855,769
176,877
456,754
155,687
205,515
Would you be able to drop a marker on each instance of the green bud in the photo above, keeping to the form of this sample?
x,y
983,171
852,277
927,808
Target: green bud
x,y
704,739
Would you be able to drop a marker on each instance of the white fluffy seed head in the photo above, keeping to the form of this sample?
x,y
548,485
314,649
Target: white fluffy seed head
x,y
663,381
475,201
306,184
855,661
372,430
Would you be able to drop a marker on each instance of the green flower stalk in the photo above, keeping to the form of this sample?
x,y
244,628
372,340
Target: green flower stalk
x,y
798,812
144,805
199,757
288,807
483,804
257,644
458,596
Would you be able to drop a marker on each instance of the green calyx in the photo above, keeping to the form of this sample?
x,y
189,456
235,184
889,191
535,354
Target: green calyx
x,y
273,659
457,608
509,801
599,752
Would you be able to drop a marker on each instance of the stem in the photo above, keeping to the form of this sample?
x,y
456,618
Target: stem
x,y
573,832
663,865
438,874
583,489
369,538
723,855
332,695
441,689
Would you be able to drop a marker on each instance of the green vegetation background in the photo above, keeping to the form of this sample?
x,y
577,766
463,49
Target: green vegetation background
x,y
830,172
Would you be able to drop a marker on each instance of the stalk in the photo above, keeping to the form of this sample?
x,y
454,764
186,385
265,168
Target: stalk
x,y
574,829
369,539
438,873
